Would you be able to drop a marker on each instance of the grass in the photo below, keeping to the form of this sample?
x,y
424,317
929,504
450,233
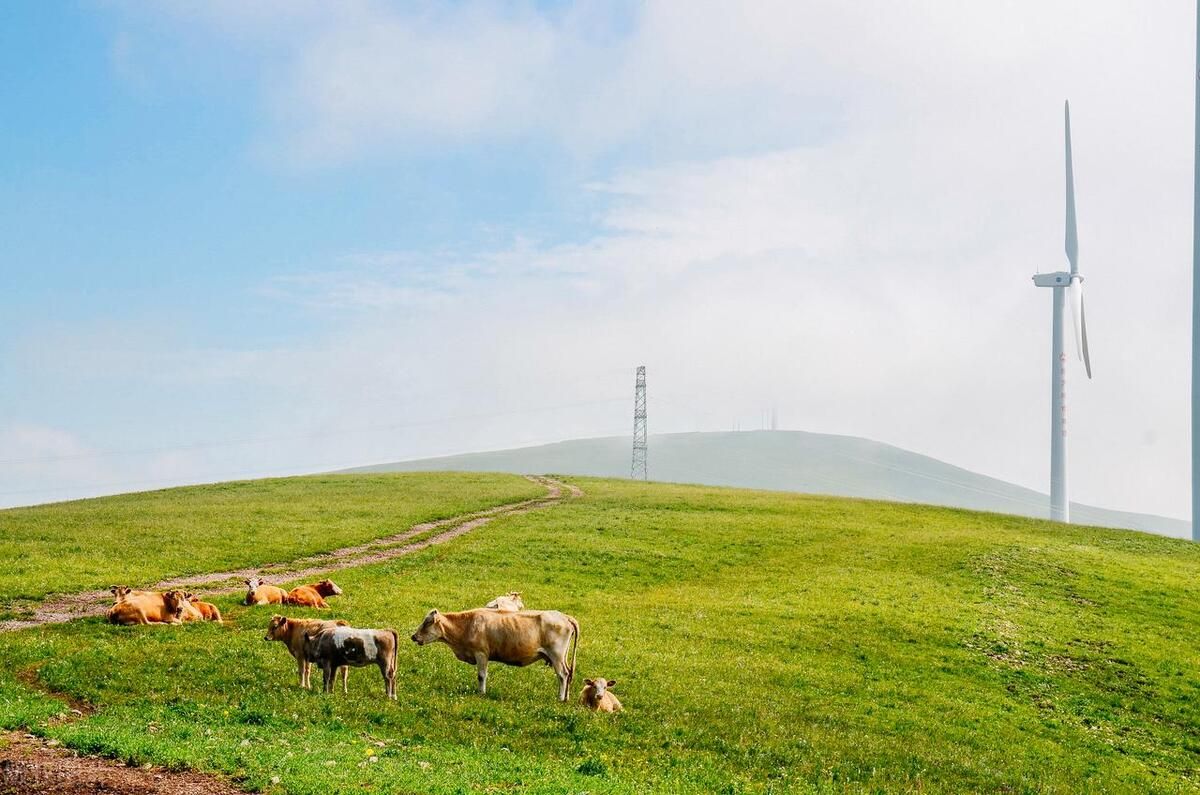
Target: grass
x,y
762,642
145,537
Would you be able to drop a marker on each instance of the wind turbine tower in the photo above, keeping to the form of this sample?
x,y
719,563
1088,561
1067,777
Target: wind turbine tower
x,y
1196,301
1066,286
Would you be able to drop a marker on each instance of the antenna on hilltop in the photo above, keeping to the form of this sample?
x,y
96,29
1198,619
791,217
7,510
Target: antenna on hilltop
x,y
638,471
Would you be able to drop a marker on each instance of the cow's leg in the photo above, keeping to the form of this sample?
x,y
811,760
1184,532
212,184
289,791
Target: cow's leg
x,y
328,675
345,678
481,662
559,663
302,670
389,676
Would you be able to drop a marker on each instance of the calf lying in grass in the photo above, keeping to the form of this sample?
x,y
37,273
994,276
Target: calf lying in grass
x,y
207,610
313,595
598,695
259,593
290,631
147,607
511,602
336,646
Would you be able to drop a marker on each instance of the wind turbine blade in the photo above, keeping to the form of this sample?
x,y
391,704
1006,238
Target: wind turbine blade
x,y
1075,294
1087,360
1072,237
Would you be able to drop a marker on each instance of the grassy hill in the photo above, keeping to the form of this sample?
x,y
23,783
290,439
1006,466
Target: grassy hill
x,y
762,642
814,463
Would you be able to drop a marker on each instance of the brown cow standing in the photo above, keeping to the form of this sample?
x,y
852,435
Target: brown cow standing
x,y
334,647
312,595
147,607
259,593
291,632
481,636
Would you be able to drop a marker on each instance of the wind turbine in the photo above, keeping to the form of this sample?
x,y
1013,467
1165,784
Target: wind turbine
x,y
1066,286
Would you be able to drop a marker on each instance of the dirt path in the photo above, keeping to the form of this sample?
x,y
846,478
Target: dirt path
x,y
67,607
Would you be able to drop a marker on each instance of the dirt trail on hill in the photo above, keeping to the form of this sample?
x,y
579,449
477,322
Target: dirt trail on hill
x,y
67,607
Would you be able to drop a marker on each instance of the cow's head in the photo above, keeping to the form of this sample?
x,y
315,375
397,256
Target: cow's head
x,y
430,629
119,592
251,586
328,588
277,629
191,597
174,601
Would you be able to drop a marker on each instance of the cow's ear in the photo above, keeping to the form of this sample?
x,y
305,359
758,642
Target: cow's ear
x,y
113,588
588,682
612,682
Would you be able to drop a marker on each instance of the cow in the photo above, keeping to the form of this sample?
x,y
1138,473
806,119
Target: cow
x,y
511,602
208,611
338,646
119,592
598,695
481,636
147,607
259,593
290,631
312,595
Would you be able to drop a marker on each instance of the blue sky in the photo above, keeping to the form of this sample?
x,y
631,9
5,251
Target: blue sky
x,y
261,238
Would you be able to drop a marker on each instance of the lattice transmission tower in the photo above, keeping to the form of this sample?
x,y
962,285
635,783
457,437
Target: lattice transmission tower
x,y
639,427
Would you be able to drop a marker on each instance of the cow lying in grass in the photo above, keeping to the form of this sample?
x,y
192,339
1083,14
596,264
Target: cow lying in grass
x,y
483,635
511,602
207,610
336,646
290,631
259,593
598,695
312,595
147,607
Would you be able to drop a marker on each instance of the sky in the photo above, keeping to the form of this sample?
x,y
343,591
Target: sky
x,y
243,240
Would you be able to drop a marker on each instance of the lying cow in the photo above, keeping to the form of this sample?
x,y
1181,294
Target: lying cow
x,y
119,592
338,646
147,607
290,631
259,593
207,610
598,695
483,635
511,602
312,595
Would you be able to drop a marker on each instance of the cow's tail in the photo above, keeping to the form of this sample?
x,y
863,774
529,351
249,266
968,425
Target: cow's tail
x,y
574,651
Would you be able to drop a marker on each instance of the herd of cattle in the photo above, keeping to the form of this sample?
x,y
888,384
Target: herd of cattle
x,y
502,631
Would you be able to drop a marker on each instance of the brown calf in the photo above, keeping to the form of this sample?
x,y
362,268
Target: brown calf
x,y
312,595
145,607
259,593
482,636
598,695
208,611
290,631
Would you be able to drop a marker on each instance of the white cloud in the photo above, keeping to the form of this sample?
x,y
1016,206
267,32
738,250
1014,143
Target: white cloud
x,y
832,206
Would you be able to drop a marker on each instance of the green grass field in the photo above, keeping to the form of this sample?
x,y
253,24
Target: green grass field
x,y
762,642
143,538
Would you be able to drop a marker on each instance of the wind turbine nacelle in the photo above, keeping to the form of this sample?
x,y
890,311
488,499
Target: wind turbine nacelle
x,y
1059,279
